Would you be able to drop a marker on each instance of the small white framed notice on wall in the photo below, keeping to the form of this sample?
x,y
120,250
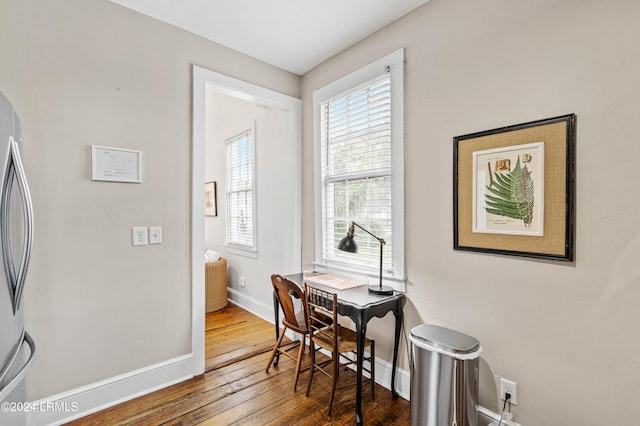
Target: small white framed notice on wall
x,y
116,164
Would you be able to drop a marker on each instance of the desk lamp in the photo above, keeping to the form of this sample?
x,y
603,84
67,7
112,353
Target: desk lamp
x,y
348,244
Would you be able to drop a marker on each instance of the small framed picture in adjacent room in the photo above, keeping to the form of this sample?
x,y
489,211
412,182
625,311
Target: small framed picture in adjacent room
x,y
210,199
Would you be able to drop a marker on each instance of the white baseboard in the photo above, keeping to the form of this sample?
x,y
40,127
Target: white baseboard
x,y
255,306
403,378
383,377
79,402
486,414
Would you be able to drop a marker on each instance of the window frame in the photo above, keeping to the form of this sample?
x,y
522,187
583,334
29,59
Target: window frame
x,y
235,246
394,64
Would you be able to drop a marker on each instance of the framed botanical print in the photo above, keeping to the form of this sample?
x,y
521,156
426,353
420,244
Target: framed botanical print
x,y
514,190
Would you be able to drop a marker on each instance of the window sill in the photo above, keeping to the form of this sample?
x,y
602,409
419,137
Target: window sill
x,y
241,251
365,275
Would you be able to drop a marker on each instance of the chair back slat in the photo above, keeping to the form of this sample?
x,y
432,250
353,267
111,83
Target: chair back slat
x,y
322,311
326,333
285,291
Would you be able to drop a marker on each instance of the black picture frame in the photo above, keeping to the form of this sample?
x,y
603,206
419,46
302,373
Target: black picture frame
x,y
211,199
558,139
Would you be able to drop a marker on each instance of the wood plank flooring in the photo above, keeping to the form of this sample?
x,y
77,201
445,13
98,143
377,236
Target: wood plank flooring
x,y
233,334
236,390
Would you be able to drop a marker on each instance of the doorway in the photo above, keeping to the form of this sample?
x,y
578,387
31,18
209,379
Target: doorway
x,y
278,186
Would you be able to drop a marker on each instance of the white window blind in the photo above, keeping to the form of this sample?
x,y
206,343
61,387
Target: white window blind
x,y
359,170
240,191
356,172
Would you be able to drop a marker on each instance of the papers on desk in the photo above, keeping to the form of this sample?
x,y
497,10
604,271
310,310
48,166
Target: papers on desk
x,y
333,281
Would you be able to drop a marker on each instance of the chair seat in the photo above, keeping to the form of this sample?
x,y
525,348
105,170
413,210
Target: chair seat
x,y
347,339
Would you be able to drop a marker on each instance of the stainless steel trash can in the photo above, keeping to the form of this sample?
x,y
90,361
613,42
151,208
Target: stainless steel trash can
x,y
444,377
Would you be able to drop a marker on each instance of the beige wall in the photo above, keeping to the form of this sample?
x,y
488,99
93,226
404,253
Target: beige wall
x,y
566,333
83,72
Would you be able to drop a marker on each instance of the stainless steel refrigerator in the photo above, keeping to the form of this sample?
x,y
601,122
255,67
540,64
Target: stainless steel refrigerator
x,y
17,348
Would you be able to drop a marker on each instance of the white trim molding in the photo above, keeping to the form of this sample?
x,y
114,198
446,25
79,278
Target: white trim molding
x,y
493,417
64,407
253,305
202,78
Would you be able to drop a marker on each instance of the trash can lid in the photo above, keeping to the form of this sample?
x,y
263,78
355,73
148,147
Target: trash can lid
x,y
446,341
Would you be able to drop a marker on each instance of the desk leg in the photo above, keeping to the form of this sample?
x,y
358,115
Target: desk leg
x,y
398,314
276,314
361,332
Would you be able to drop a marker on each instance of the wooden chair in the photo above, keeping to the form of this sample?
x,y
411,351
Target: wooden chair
x,y
332,337
286,290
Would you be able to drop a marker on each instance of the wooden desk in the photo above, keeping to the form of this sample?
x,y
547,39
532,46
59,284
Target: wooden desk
x,y
360,305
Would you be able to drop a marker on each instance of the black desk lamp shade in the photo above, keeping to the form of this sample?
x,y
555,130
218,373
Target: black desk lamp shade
x,y
348,244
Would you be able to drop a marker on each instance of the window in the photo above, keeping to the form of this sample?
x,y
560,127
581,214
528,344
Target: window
x,y
240,191
359,150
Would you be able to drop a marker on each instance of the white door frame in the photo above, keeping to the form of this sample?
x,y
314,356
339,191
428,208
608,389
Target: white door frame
x,y
250,92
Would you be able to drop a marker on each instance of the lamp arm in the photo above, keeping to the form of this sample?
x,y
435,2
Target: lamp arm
x,y
382,241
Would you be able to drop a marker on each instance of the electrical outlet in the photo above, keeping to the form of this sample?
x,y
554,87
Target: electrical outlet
x,y
242,281
508,387
139,236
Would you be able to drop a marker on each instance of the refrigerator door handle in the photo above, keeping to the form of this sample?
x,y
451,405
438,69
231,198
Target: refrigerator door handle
x,y
15,169
28,220
6,389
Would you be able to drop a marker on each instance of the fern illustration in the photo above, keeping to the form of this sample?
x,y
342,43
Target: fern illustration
x,y
511,194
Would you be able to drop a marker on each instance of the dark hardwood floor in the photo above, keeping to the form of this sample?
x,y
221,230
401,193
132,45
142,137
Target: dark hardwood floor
x,y
236,390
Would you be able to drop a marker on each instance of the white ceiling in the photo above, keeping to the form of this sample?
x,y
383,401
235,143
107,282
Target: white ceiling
x,y
295,35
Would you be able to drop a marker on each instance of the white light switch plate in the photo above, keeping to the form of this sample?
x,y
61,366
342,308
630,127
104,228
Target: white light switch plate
x,y
139,236
155,235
